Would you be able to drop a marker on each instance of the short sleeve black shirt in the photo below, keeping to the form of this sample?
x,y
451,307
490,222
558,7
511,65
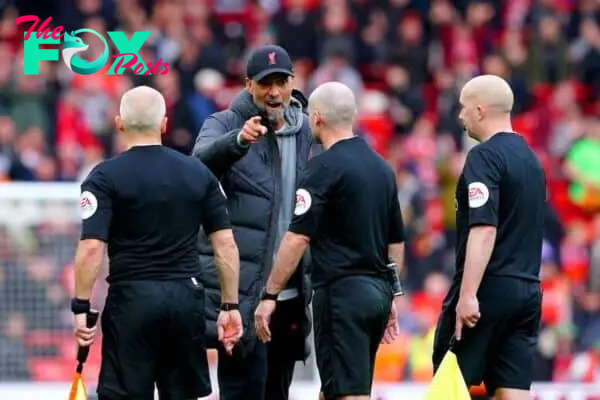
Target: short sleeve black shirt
x,y
149,205
503,185
347,203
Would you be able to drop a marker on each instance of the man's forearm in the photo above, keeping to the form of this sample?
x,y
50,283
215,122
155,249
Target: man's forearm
x,y
88,258
219,153
227,259
396,255
480,245
290,253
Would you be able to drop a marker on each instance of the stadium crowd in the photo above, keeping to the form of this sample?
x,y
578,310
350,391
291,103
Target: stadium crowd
x,y
406,60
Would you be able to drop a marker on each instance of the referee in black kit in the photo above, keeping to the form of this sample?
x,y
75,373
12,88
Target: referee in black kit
x,y
347,208
149,204
492,312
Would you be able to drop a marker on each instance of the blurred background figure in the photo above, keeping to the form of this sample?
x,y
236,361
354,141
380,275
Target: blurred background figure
x,y
406,61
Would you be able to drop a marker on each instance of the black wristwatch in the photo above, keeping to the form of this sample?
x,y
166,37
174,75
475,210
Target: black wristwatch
x,y
397,289
229,306
268,296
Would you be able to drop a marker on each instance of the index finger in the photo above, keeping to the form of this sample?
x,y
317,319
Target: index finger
x,y
228,348
259,333
396,331
262,330
458,330
267,333
256,119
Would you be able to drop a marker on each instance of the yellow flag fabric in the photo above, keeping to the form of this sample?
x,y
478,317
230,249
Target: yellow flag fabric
x,y
448,382
78,389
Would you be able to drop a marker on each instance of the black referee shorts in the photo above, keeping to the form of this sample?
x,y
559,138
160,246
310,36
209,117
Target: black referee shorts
x,y
350,317
153,333
500,349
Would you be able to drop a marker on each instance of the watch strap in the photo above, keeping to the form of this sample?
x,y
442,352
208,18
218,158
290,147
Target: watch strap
x,y
268,296
394,280
229,306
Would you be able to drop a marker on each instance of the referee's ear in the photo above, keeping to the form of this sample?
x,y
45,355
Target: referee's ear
x,y
163,126
119,124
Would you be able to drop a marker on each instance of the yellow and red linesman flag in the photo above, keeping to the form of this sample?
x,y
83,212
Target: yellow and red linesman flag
x,y
78,391
448,382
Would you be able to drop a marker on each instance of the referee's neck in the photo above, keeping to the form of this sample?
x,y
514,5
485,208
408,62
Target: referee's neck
x,y
494,127
141,139
330,139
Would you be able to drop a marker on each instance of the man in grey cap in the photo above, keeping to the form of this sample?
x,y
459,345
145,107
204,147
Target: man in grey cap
x,y
256,148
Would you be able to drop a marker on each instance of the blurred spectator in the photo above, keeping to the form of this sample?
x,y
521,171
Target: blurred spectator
x,y
337,66
207,84
410,48
295,21
583,168
586,51
447,106
11,167
179,126
12,349
548,52
27,99
406,97
594,274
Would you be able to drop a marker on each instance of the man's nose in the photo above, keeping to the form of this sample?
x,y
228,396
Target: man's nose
x,y
273,91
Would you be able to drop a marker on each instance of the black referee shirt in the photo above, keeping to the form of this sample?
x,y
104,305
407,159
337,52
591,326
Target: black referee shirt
x,y
347,203
503,185
148,204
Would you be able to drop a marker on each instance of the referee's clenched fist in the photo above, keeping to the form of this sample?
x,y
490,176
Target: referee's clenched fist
x,y
252,130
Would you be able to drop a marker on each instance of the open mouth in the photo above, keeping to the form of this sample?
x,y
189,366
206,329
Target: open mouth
x,y
273,104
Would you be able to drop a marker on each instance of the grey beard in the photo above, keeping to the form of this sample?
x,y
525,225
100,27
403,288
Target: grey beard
x,y
275,116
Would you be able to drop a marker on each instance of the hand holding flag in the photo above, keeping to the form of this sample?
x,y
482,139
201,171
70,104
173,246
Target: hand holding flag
x,y
84,335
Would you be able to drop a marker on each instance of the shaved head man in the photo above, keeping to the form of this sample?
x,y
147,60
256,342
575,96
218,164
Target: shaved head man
x,y
142,115
332,109
347,208
492,312
486,102
147,206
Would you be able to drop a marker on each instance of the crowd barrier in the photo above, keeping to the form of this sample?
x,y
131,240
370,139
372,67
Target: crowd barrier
x,y
309,391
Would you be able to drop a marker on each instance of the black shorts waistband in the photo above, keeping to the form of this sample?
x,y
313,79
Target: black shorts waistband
x,y
338,279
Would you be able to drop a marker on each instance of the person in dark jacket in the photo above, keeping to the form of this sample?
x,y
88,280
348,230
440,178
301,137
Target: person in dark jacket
x,y
256,148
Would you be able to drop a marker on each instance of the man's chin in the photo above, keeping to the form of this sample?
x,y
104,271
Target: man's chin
x,y
274,115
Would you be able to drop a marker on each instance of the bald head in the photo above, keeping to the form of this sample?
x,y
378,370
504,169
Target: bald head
x,y
486,103
490,92
335,104
142,109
